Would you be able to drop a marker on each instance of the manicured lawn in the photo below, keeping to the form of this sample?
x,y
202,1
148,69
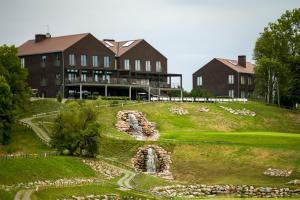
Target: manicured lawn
x,y
40,106
55,193
23,140
31,169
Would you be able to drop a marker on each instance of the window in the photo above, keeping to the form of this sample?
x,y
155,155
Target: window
x,y
243,94
243,80
57,60
137,65
83,77
106,61
230,79
148,65
44,59
57,79
95,61
96,77
126,64
158,66
83,60
249,81
72,76
43,81
72,59
199,81
22,62
231,93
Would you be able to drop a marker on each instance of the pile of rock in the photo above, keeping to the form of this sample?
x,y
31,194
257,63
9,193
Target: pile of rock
x,y
294,182
231,190
94,197
278,172
203,109
243,112
163,161
136,124
178,111
56,183
103,168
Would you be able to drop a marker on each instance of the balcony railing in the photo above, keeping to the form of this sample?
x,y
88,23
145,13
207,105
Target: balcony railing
x,y
122,81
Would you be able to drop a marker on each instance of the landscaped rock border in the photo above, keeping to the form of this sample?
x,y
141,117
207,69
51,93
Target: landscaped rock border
x,y
103,168
203,109
145,131
294,182
163,158
243,112
93,197
230,190
278,172
178,111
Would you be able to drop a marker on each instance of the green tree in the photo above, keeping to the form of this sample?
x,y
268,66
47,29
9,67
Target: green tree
x,y
5,109
76,129
277,55
15,77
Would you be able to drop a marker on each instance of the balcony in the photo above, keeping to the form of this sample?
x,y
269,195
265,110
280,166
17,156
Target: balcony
x,y
123,81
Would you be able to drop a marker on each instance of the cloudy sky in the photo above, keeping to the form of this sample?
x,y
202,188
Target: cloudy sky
x,y
188,32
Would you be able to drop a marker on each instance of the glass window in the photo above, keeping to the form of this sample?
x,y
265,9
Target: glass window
x,y
243,94
95,61
249,81
158,66
243,80
126,64
72,59
231,79
137,65
199,81
231,93
44,58
148,65
83,60
106,61
22,62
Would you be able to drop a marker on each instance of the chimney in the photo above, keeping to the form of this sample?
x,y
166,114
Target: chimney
x,y
40,37
242,60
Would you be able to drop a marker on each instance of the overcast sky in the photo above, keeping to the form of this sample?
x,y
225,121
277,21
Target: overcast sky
x,y
188,32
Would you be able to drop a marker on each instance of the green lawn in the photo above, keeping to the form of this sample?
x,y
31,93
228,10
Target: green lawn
x,y
31,169
55,193
23,140
40,106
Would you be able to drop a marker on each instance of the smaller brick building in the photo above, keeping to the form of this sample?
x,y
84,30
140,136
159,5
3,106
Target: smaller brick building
x,y
225,77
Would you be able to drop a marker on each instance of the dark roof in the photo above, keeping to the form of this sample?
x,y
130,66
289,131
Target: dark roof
x,y
233,64
49,45
119,48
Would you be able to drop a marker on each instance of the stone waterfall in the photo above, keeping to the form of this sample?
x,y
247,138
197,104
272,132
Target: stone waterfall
x,y
150,163
134,123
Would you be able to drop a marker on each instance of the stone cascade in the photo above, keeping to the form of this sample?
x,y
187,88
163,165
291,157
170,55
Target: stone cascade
x,y
178,111
153,160
136,124
103,168
243,112
278,172
192,191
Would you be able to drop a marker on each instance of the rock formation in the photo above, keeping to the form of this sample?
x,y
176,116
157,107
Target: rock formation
x,y
178,111
136,124
162,161
278,172
243,112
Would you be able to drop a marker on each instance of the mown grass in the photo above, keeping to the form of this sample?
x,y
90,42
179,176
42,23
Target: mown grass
x,y
40,106
51,168
59,193
23,140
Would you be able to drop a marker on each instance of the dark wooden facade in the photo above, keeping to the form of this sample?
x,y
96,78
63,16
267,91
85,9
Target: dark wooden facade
x,y
215,79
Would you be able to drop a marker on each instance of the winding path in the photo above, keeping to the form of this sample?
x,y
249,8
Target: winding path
x,y
24,194
124,182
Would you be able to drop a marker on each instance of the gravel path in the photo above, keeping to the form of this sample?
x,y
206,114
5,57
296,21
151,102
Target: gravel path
x,y
124,182
24,194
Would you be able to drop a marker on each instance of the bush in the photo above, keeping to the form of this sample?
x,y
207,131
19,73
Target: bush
x,y
59,96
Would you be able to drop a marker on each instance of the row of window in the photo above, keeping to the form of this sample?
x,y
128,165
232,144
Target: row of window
x,y
83,60
137,65
230,80
243,93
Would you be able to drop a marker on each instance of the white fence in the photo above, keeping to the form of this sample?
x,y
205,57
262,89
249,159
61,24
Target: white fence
x,y
198,99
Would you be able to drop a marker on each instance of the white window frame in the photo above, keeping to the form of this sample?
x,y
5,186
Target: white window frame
x,y
72,59
231,93
230,79
158,66
22,60
127,64
148,65
199,81
243,82
95,61
137,65
83,60
106,61
83,77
